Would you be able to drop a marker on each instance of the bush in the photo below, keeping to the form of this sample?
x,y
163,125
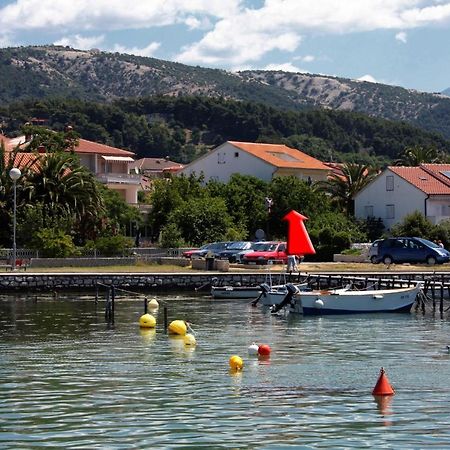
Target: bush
x,y
117,245
53,243
171,236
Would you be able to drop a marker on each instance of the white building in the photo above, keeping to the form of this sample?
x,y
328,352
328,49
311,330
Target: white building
x,y
399,191
264,161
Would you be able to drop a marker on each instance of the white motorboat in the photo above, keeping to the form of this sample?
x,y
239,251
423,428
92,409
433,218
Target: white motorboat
x,y
347,301
274,295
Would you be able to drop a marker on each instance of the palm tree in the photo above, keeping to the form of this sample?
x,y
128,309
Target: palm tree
x,y
64,188
9,160
343,187
416,155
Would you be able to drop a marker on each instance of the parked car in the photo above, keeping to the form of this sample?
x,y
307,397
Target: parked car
x,y
213,248
408,250
233,249
373,251
266,252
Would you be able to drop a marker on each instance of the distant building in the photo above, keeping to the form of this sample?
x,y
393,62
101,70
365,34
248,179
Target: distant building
x,y
155,167
399,191
110,165
264,161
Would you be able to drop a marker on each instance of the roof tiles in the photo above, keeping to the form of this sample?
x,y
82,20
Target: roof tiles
x,y
426,177
281,156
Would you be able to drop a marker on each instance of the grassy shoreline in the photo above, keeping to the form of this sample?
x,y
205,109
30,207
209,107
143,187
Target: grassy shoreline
x,y
304,267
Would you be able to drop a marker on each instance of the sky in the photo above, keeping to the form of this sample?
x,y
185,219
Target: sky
x,y
398,42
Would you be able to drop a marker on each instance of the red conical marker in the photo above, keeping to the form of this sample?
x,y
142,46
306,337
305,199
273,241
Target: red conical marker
x,y
383,387
298,241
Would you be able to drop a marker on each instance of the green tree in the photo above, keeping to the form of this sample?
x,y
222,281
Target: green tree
x,y
203,221
64,187
416,225
343,188
169,194
417,154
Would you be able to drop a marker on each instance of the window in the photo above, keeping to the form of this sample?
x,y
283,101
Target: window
x,y
236,154
221,157
390,212
368,211
390,183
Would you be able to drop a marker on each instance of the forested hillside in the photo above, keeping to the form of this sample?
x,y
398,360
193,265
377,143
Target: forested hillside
x,y
185,127
55,71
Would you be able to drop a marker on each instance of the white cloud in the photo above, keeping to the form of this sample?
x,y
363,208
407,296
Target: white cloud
x,y
236,33
306,59
193,23
368,78
108,14
81,42
285,67
402,37
145,51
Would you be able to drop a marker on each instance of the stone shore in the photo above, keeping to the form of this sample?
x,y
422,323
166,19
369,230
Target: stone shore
x,y
155,281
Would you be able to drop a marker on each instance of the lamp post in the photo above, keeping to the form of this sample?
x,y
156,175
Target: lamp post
x,y
15,175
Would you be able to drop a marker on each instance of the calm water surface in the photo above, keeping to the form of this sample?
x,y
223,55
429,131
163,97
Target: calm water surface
x,y
68,380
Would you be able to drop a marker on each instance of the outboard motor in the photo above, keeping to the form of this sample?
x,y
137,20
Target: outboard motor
x,y
265,288
291,291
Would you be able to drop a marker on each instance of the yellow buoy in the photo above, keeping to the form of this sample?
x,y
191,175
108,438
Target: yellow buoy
x,y
236,363
178,327
189,339
147,321
153,304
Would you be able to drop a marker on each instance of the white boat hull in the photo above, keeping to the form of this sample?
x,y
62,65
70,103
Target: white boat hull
x,y
342,301
278,293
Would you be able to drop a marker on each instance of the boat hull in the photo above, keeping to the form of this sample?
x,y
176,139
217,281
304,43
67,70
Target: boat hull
x,y
357,302
278,293
224,292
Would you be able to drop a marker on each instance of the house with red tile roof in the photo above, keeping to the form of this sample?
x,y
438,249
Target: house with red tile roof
x,y
155,167
110,165
399,191
264,161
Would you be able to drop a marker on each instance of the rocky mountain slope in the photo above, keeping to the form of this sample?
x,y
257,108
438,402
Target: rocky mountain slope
x,y
54,71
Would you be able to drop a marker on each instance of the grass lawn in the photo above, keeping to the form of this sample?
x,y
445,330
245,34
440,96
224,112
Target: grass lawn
x,y
304,267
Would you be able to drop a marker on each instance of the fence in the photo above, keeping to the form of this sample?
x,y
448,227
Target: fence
x,y
144,252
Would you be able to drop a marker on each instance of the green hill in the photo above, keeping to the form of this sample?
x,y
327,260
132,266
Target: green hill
x,y
185,127
54,71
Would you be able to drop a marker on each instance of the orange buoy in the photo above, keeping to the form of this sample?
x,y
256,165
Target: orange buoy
x,y
383,387
264,350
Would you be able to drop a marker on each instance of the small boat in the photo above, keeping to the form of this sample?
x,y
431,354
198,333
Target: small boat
x,y
274,295
250,292
235,291
347,301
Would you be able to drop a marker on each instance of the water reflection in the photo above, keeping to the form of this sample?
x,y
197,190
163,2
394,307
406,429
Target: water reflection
x,y
68,381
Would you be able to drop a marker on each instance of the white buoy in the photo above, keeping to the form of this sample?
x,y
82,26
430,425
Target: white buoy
x,y
153,304
253,349
318,303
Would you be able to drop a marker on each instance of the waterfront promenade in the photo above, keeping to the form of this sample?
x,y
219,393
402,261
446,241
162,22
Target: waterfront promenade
x,y
167,277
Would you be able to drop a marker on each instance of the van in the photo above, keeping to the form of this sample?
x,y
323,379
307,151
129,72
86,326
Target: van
x,y
407,250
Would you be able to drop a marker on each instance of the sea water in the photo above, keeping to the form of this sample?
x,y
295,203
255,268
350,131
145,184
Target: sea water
x,y
70,380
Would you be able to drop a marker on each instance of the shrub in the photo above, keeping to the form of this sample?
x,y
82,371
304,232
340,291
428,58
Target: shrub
x,y
117,245
171,236
53,243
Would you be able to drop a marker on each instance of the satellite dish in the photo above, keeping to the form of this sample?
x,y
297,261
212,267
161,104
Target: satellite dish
x,y
260,235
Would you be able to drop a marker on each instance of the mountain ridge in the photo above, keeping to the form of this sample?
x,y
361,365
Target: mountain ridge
x,y
50,71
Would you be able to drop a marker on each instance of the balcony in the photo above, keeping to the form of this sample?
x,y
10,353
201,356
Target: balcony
x,y
119,178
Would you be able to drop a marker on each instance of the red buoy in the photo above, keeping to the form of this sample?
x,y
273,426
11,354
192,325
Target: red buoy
x,y
264,350
383,387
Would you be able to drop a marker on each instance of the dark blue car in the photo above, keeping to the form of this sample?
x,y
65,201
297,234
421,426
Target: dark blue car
x,y
408,250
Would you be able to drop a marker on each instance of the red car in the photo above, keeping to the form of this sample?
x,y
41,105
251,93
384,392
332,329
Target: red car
x,y
266,253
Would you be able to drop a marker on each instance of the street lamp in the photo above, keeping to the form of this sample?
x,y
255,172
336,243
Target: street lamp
x,y
15,175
